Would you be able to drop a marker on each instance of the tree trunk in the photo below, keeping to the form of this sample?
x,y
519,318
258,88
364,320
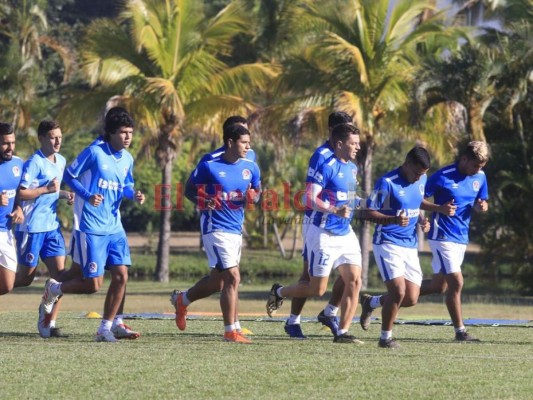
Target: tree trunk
x,y
163,247
475,119
366,243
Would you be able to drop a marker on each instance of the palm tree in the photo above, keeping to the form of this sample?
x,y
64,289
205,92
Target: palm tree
x,y
358,56
164,60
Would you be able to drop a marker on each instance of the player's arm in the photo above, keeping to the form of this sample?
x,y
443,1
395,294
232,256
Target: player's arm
x,y
376,217
313,196
30,194
447,208
17,215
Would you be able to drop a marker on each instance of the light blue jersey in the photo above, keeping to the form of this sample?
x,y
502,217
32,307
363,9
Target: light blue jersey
x,y
10,173
339,183
321,154
250,155
230,183
40,213
393,194
101,170
447,184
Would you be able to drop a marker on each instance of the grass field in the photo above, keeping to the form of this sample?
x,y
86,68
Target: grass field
x,y
167,364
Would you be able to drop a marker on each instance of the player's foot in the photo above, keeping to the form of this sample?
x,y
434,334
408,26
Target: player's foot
x,y
330,322
464,336
274,301
236,337
366,312
105,336
346,338
43,323
123,331
57,333
49,298
388,344
294,331
176,299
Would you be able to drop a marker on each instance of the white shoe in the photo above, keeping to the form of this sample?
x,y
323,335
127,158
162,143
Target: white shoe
x,y
49,298
105,336
123,331
43,323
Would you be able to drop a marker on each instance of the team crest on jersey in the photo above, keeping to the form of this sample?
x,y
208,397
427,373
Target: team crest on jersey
x,y
476,185
93,267
16,171
30,257
421,188
246,174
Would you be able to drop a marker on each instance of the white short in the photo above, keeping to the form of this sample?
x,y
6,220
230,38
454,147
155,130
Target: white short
x,y
326,251
447,256
223,249
8,251
395,261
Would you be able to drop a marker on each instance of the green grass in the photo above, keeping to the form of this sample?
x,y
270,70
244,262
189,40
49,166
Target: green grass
x,y
195,364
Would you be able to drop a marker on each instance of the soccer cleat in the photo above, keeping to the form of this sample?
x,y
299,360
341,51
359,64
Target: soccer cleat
x,y
274,301
105,336
464,336
43,323
176,299
330,322
48,300
346,338
388,344
294,331
366,312
123,331
236,337
57,333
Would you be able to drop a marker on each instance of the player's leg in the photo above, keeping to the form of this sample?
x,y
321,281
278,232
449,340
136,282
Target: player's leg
x,y
292,325
28,248
351,275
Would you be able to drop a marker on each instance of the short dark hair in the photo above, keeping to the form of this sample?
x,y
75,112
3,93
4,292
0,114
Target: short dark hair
x,y
46,126
343,131
116,121
115,111
234,119
234,132
339,117
419,155
5,128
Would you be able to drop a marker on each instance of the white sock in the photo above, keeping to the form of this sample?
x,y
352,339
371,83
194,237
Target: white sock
x,y
460,329
278,292
330,311
237,326
185,300
117,321
375,301
105,325
52,323
386,335
229,328
294,319
341,332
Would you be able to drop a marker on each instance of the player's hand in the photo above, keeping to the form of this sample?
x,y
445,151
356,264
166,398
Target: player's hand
x,y
4,200
252,195
402,219
213,203
53,186
448,208
482,205
17,216
344,211
70,198
139,197
424,224
96,199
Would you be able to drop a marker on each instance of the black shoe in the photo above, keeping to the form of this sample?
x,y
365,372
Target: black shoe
x,y
294,331
346,338
464,336
274,301
330,322
366,312
388,344
57,333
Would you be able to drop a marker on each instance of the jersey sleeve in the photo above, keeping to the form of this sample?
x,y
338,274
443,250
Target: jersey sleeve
x,y
256,178
321,175
431,185
379,195
30,172
483,193
82,163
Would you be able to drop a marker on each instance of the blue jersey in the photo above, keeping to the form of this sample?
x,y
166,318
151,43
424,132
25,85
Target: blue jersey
x,y
250,155
393,194
11,173
229,182
447,184
40,212
321,154
339,182
101,170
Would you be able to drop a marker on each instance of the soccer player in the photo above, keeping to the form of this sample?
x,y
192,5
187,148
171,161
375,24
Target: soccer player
x,y
10,208
398,193
211,284
330,241
328,316
456,189
101,175
221,189
40,234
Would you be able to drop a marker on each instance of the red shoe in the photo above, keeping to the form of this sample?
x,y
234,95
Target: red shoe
x,y
236,337
176,298
123,331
